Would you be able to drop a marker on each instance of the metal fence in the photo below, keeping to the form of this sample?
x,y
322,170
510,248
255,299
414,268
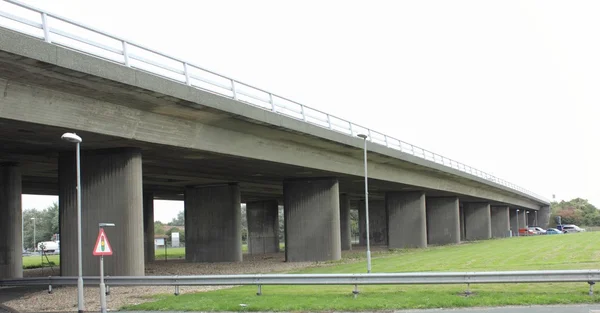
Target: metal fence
x,y
416,278
62,31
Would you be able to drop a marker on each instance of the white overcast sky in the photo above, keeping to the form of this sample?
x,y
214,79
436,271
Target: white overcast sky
x,y
509,87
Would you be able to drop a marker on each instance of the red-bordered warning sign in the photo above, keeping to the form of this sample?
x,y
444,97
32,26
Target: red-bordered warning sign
x,y
102,246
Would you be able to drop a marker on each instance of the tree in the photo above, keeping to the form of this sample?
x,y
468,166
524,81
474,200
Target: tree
x,y
158,228
46,225
576,211
178,221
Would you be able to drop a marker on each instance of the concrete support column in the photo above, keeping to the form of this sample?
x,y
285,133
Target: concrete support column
x,y
461,212
522,219
312,220
377,222
148,203
263,226
111,190
407,219
345,223
478,223
513,222
544,216
531,218
500,221
443,223
11,244
213,224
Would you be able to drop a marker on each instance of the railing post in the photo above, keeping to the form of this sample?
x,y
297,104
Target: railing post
x,y
386,142
351,130
272,102
302,112
46,27
235,97
187,74
329,121
125,53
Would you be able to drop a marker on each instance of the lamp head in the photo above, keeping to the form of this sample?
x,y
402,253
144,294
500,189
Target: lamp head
x,y
106,224
363,136
71,137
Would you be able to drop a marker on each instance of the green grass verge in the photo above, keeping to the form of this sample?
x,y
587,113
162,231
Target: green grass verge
x,y
572,251
36,261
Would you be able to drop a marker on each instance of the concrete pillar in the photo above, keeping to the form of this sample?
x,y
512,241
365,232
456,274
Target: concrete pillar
x,y
377,222
500,221
263,226
443,223
531,218
213,224
522,219
513,222
478,224
11,244
544,216
148,203
312,220
345,223
407,219
461,212
111,190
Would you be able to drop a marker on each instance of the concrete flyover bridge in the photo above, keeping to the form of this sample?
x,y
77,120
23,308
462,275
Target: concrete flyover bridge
x,y
155,127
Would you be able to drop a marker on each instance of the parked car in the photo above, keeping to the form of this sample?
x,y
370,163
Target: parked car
x,y
553,231
572,229
526,232
537,230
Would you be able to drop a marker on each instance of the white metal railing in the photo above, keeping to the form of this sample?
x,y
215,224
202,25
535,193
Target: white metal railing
x,y
59,30
415,278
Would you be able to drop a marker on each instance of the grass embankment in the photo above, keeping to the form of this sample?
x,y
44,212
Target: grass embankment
x,y
572,251
35,261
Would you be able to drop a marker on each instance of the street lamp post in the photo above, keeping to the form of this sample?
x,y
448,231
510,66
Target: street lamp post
x,y
34,247
73,138
364,137
518,234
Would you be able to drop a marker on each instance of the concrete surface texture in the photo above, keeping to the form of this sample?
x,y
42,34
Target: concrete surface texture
x,y
111,190
500,221
124,104
477,221
544,216
443,223
345,223
11,261
378,232
148,203
263,226
312,220
513,222
522,219
407,220
213,223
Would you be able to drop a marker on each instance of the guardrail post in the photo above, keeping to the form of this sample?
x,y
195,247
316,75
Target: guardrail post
x,y
125,53
272,102
259,292
355,292
46,27
235,97
176,287
591,293
107,287
187,74
49,284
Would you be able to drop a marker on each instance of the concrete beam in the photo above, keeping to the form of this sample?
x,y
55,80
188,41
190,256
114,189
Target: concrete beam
x,y
500,221
111,190
213,224
11,244
407,219
263,226
478,224
148,203
378,231
345,222
443,222
312,220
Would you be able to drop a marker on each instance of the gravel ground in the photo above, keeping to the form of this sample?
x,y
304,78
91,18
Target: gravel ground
x,y
65,298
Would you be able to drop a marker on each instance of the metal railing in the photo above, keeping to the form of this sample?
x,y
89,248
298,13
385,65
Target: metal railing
x,y
415,278
59,30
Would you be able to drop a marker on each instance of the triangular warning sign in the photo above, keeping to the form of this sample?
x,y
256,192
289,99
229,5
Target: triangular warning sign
x,y
102,246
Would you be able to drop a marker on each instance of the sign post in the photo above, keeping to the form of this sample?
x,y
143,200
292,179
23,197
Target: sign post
x,y
101,249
